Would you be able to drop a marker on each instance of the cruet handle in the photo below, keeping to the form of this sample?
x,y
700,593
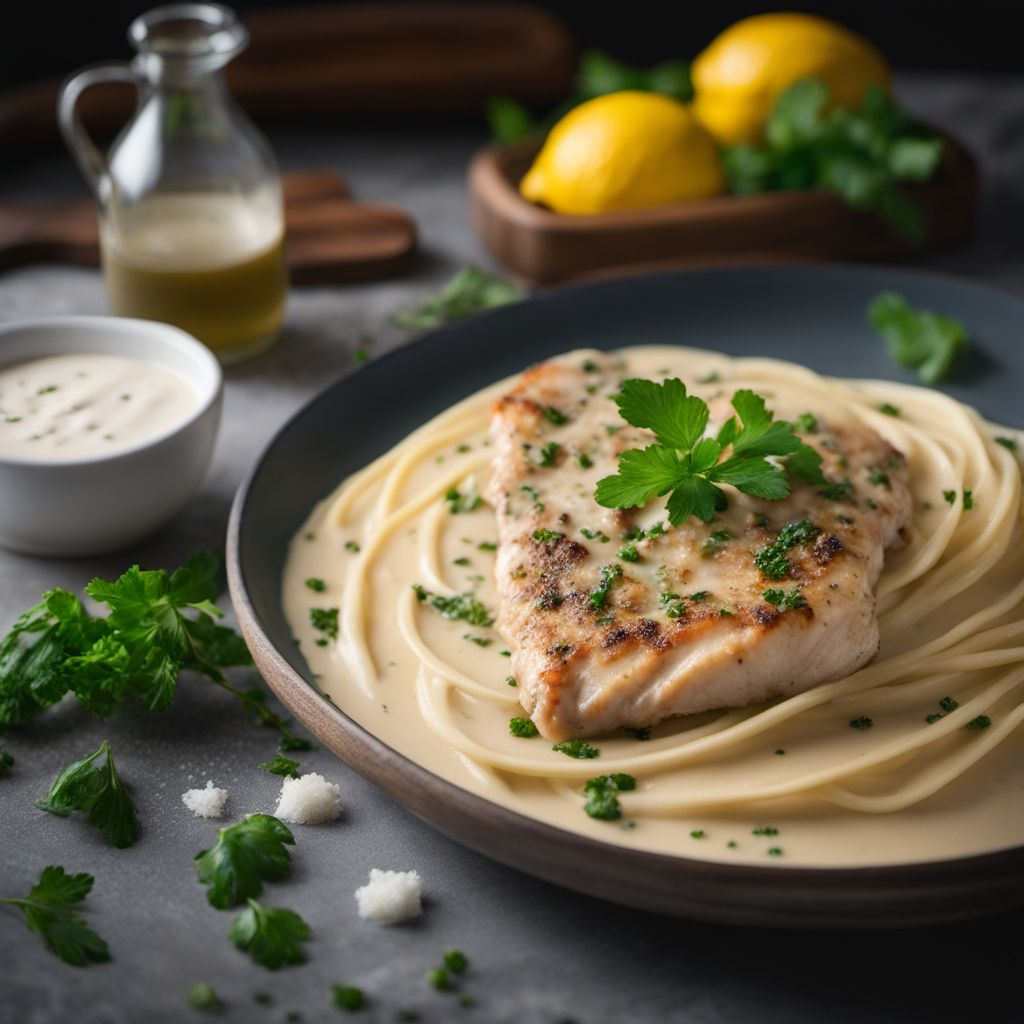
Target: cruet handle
x,y
92,162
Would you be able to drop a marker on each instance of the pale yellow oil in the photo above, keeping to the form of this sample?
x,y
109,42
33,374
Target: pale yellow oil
x,y
210,264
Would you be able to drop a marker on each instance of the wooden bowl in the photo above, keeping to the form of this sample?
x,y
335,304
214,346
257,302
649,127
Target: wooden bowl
x,y
539,247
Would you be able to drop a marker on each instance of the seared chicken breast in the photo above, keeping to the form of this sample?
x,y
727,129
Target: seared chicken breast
x,y
617,619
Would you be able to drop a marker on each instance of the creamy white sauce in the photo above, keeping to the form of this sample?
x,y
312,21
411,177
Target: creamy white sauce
x,y
85,405
951,614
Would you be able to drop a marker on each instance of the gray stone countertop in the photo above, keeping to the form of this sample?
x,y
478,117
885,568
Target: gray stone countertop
x,y
539,954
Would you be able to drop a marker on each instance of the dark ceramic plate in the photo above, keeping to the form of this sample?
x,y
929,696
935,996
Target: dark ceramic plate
x,y
811,315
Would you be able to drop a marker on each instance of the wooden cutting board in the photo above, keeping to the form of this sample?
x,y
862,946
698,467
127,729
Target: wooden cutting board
x,y
370,60
330,237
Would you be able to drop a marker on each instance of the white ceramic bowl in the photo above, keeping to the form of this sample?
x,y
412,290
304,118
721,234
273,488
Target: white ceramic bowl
x,y
99,504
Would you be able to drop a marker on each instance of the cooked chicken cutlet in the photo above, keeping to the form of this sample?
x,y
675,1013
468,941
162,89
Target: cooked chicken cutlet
x,y
617,619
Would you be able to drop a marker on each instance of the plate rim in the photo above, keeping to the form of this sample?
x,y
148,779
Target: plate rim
x,y
327,722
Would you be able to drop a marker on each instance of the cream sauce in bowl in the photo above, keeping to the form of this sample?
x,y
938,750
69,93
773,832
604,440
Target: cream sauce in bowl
x,y
86,405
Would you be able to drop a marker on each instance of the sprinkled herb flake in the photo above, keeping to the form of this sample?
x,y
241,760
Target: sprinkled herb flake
x,y
968,500
522,728
1009,443
547,537
783,601
806,423
889,410
879,479
317,584
464,607
510,681
774,851
487,545
698,833
463,560
861,722
324,620
601,794
764,830
458,502
588,366
549,454
628,552
979,723
771,559
555,416
601,538
949,497
480,641
579,749
583,460
599,595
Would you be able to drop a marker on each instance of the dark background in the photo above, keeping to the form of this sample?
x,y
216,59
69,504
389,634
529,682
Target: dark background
x,y
44,38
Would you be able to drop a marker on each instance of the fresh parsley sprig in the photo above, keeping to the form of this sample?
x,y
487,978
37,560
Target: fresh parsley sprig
x,y
244,857
270,935
917,338
689,467
159,625
48,911
98,793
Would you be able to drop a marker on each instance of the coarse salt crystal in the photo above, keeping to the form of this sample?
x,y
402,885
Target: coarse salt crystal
x,y
390,896
206,803
308,800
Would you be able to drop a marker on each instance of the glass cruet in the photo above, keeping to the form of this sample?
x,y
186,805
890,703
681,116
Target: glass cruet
x,y
191,220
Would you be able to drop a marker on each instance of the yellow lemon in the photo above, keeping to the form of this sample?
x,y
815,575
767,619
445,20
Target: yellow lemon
x,y
624,151
738,78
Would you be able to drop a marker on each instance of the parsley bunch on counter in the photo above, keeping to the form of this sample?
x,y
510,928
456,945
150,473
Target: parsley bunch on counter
x,y
159,624
689,467
861,154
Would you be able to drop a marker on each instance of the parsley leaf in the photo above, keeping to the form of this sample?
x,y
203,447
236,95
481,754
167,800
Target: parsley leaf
x,y
271,936
98,793
470,291
688,466
281,765
918,339
602,800
48,913
522,728
243,858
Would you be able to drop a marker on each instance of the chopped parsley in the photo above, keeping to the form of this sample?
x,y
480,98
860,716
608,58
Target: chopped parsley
x,y
203,996
597,535
98,793
547,537
1009,443
948,704
438,977
588,366
462,561
579,749
806,423
771,560
510,681
325,621
316,584
549,454
837,490
688,466
351,545
715,542
642,735
555,416
878,478
629,553
861,722
779,753
281,765
764,830
455,961
979,723
347,997
774,851
464,607
599,595
949,497
583,460
601,794
487,545
698,833
480,641
522,728
783,601
458,502
889,410
968,500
